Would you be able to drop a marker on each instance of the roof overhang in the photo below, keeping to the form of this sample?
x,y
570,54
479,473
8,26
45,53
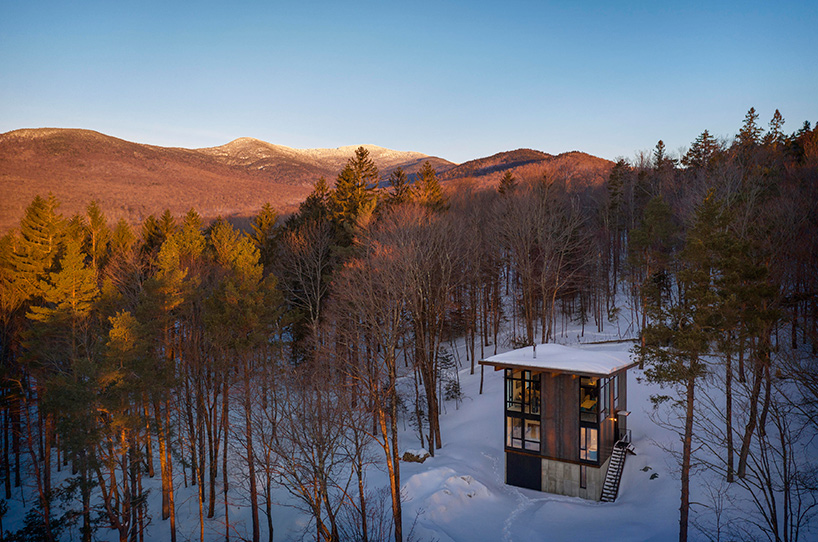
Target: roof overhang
x,y
558,359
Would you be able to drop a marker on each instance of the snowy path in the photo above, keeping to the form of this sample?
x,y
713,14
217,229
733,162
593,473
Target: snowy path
x,y
523,502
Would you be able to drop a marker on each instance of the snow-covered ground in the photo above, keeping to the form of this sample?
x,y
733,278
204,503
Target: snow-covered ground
x,y
459,494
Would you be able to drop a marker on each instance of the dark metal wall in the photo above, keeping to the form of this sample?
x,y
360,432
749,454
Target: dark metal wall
x,y
524,470
560,416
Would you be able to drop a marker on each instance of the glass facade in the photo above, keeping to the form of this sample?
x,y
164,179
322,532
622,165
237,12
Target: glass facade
x,y
593,407
522,410
589,444
588,399
522,392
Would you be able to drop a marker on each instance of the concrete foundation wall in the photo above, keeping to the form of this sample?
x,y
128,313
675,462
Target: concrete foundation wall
x,y
563,479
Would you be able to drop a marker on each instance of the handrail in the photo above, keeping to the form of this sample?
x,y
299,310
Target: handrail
x,y
624,437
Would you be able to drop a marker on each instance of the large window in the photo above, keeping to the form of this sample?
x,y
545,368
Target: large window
x,y
523,433
588,399
593,406
522,392
522,410
588,444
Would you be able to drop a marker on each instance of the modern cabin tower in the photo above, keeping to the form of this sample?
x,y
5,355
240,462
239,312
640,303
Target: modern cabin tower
x,y
565,412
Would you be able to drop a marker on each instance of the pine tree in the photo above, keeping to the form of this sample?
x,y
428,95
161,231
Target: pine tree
x,y
97,237
680,332
750,133
315,208
650,249
659,156
507,184
167,224
58,343
122,238
354,198
264,233
702,152
427,189
190,239
68,297
241,317
34,256
775,136
400,189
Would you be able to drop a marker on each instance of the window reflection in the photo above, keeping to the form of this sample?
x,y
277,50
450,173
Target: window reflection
x,y
588,446
532,435
588,399
522,410
522,392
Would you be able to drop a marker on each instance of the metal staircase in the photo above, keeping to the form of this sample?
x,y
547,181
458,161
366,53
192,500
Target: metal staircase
x,y
610,489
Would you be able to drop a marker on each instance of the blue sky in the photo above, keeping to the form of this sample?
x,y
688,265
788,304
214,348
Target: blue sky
x,y
460,80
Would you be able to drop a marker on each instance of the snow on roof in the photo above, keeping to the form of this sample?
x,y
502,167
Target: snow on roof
x,y
562,359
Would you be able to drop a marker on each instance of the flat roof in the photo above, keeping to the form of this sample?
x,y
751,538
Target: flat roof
x,y
556,358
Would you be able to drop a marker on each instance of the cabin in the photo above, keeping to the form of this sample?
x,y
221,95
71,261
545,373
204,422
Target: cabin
x,y
565,419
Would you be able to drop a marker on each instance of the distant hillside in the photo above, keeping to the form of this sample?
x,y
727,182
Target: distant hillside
x,y
578,168
132,180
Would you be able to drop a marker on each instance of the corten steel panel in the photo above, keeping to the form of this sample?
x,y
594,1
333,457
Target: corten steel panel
x,y
560,416
524,470
623,401
623,391
606,439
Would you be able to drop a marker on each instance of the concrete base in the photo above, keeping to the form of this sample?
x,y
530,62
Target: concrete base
x,y
564,478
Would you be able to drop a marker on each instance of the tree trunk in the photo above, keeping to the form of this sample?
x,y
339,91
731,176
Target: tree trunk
x,y
225,427
268,501
7,453
148,442
85,490
393,469
752,419
251,463
171,504
15,437
728,413
687,449
163,467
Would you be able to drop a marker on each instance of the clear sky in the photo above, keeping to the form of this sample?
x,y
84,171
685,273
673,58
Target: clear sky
x,y
456,79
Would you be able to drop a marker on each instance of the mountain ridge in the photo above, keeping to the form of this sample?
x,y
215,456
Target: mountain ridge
x,y
576,167
133,180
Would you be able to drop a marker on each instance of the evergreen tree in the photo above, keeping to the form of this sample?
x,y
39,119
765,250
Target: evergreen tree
x,y
680,332
353,199
122,238
427,189
241,317
264,233
190,240
315,208
702,152
660,159
750,133
59,346
68,297
507,184
98,235
400,189
616,189
76,229
41,234
167,224
650,250
775,136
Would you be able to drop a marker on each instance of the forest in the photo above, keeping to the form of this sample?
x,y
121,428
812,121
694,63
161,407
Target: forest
x,y
290,355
